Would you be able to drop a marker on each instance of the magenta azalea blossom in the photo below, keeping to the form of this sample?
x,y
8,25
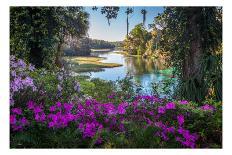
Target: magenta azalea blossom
x,y
52,108
17,111
184,102
180,119
12,119
207,107
24,121
122,108
161,109
30,105
170,105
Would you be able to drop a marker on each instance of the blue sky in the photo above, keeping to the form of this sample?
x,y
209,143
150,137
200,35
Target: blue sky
x,y
99,28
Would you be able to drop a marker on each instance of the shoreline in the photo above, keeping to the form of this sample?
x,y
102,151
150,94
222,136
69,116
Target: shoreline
x,y
89,63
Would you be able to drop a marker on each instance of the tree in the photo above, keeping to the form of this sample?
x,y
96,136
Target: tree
x,y
192,35
37,33
128,11
144,12
110,12
136,41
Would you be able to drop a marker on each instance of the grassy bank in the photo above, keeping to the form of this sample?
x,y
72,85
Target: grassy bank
x,y
89,64
102,50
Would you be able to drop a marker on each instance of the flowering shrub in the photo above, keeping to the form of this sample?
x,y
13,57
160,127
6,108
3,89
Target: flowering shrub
x,y
93,119
96,113
19,77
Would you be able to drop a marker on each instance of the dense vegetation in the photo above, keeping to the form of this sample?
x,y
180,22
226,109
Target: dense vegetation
x,y
38,33
101,44
54,109
193,38
136,41
190,40
50,107
83,46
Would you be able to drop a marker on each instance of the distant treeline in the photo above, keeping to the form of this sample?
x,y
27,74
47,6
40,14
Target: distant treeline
x,y
102,44
81,47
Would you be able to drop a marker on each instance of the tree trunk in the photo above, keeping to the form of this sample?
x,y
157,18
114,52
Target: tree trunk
x,y
192,61
58,60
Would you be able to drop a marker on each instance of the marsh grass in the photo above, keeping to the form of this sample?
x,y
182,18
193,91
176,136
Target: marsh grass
x,y
88,64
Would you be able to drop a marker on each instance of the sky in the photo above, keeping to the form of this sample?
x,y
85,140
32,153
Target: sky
x,y
99,28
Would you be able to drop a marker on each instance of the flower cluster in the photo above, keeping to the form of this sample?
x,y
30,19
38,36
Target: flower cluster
x,y
63,76
17,121
92,116
19,77
207,107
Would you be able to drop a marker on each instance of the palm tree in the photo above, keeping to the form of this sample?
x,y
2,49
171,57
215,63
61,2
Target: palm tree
x,y
128,11
144,12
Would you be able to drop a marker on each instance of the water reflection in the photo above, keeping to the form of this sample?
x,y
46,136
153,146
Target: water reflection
x,y
144,71
140,65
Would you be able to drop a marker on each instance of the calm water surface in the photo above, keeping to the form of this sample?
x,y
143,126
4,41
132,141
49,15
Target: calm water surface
x,y
144,71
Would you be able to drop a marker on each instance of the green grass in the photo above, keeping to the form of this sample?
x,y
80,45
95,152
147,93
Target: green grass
x,y
89,64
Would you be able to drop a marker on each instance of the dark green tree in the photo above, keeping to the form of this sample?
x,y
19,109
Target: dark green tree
x,y
37,33
193,37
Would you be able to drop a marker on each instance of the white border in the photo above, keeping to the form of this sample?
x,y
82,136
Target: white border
x,y
117,2
4,74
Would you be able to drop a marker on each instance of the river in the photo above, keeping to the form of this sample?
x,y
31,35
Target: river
x,y
144,71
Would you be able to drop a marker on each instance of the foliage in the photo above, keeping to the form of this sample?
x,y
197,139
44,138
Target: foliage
x,y
28,83
37,33
145,122
110,12
101,44
77,47
74,112
135,43
164,88
191,35
21,82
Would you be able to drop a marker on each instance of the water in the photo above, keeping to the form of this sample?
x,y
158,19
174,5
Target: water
x,y
144,71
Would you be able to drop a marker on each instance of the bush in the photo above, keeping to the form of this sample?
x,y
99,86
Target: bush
x,y
52,109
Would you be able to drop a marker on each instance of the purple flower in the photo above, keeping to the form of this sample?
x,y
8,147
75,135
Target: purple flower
x,y
40,117
170,105
170,129
31,67
184,102
24,121
21,63
51,124
52,108
98,141
68,106
37,109
207,107
17,111
161,109
164,136
122,108
13,73
58,104
188,138
110,109
90,129
180,119
112,95
13,119
30,105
